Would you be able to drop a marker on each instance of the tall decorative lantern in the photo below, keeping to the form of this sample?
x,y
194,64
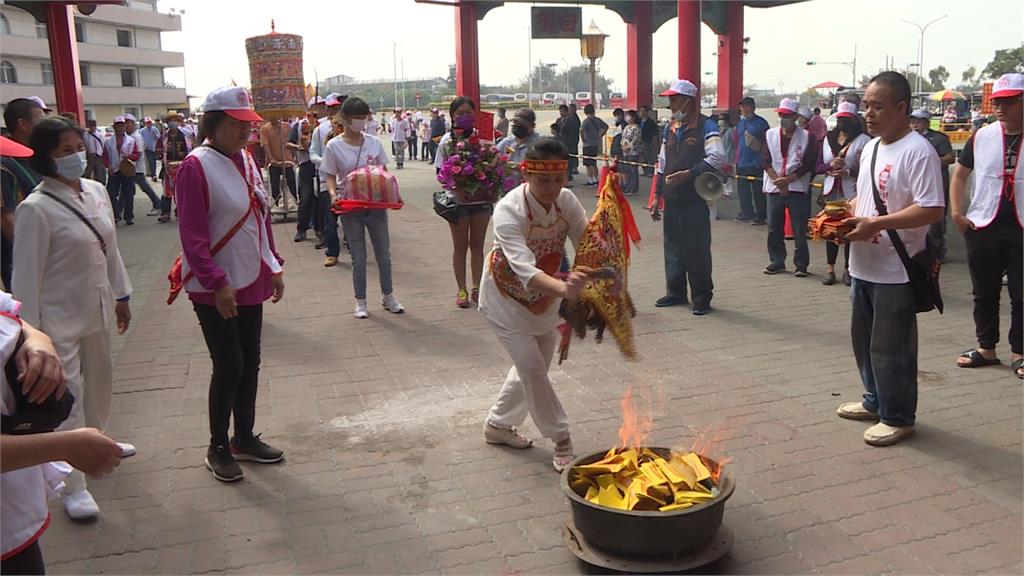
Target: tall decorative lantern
x,y
275,73
592,48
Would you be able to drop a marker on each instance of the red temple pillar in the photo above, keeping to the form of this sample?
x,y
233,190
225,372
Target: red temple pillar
x,y
639,56
60,22
689,40
730,58
467,56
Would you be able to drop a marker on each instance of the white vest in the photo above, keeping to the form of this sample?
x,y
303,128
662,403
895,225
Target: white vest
x,y
847,184
989,171
788,163
228,201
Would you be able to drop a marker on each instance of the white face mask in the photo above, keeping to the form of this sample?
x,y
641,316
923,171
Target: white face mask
x,y
357,124
172,125
72,166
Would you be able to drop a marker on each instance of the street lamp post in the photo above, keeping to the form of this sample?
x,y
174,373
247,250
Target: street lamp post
x,y
920,46
592,48
852,64
566,62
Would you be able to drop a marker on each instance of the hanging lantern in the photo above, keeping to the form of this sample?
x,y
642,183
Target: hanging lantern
x,y
592,42
275,72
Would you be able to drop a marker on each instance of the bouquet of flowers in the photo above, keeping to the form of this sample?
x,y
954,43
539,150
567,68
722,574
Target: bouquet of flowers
x,y
476,171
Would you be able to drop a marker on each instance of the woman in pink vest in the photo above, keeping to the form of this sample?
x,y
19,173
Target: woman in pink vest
x,y
231,267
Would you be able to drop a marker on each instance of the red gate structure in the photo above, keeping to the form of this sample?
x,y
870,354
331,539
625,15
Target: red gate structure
x,y
642,18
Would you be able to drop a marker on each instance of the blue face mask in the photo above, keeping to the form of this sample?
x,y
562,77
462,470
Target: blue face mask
x,y
72,166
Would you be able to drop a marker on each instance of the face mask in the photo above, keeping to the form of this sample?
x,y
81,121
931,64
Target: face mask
x,y
520,130
787,123
465,123
357,124
72,166
172,125
722,125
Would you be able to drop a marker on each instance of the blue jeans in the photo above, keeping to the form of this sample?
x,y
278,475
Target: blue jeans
x,y
883,327
140,179
356,225
799,212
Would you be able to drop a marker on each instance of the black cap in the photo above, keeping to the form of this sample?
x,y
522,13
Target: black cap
x,y
748,101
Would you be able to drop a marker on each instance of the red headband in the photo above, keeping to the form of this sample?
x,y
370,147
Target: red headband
x,y
545,166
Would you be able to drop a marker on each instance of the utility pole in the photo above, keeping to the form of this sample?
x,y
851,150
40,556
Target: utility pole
x,y
394,68
920,46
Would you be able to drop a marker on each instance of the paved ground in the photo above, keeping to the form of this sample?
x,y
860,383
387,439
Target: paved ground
x,y
386,471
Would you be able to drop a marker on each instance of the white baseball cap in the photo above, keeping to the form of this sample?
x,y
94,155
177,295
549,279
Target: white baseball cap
x,y
316,100
147,119
130,118
1008,85
233,101
118,120
42,104
788,106
805,111
921,114
846,110
681,87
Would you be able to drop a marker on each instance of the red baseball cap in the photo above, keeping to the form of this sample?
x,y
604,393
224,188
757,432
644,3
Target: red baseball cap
x,y
1008,85
14,149
233,101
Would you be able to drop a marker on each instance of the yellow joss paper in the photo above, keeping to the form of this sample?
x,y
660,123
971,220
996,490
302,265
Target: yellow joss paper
x,y
671,507
694,462
599,468
581,483
645,502
661,493
611,497
629,458
691,495
592,493
651,471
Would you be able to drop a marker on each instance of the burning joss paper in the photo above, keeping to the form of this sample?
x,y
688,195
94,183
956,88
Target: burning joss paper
x,y
641,479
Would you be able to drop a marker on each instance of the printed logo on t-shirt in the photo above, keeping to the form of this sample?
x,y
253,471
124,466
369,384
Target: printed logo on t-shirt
x,y
883,193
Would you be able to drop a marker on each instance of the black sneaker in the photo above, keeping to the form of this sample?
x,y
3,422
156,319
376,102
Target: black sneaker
x,y
774,268
253,449
222,464
671,300
847,279
300,237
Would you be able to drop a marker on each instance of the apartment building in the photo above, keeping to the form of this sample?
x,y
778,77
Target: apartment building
x,y
121,57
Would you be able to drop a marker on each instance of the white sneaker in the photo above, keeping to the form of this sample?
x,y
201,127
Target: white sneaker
x,y
856,411
882,434
507,436
564,455
80,505
391,304
362,311
126,449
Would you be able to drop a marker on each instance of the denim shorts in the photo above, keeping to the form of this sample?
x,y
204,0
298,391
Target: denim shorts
x,y
467,210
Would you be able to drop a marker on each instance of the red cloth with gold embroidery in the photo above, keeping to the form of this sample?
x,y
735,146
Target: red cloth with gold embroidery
x,y
605,302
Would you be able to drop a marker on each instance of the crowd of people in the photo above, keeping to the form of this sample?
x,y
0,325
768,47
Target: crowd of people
x,y
65,190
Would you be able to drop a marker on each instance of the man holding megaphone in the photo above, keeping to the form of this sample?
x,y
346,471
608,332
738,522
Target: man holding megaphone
x,y
691,148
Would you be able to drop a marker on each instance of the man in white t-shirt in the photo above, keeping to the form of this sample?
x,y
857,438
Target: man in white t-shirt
x,y
883,327
399,136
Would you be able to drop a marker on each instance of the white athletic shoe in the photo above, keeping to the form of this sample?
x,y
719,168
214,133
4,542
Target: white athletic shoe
x,y
362,311
80,505
391,304
126,449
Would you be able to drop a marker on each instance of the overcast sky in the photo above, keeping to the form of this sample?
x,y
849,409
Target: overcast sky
x,y
782,39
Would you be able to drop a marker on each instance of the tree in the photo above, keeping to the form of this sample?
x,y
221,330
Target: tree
x,y
1005,61
938,77
968,76
451,77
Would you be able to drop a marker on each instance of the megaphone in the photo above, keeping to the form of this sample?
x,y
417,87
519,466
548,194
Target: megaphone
x,y
709,186
831,122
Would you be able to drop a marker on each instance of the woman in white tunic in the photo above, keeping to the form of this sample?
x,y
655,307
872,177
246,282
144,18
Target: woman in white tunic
x,y
520,296
70,278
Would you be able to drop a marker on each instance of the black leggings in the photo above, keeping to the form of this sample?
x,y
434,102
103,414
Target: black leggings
x,y
234,346
832,252
28,561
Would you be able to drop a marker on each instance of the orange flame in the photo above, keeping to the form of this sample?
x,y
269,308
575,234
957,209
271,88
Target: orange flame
x,y
704,447
636,420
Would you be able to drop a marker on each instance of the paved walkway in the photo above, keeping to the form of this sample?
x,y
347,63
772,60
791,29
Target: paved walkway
x,y
386,470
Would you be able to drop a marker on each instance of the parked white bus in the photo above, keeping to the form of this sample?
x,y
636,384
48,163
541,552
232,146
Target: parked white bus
x,y
556,98
583,98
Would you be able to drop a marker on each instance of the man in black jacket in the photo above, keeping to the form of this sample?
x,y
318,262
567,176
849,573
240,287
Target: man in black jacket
x,y
648,138
437,129
569,134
